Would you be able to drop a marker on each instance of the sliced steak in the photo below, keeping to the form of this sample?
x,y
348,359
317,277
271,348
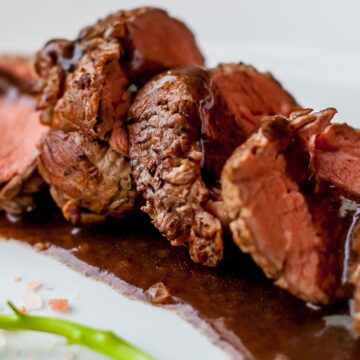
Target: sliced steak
x,y
88,84
16,71
336,157
181,133
294,228
334,149
86,87
20,131
89,180
250,94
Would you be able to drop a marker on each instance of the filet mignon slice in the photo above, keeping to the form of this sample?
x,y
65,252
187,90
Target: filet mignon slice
x,y
17,69
334,149
181,134
87,85
250,94
336,157
20,131
89,180
292,226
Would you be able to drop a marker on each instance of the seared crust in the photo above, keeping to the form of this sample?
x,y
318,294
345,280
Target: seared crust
x,y
86,87
88,179
166,156
94,98
18,195
184,126
86,84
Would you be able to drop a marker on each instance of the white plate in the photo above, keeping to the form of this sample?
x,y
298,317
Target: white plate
x,y
160,332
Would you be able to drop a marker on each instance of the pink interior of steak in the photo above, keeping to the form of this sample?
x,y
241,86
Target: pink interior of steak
x,y
241,96
336,157
161,42
17,66
88,84
219,134
20,132
279,220
294,230
334,148
250,94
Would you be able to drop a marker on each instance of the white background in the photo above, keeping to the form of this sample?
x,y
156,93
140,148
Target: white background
x,y
304,43
325,24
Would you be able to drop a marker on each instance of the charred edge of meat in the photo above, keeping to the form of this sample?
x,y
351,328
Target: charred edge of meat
x,y
279,221
166,156
89,180
86,85
19,194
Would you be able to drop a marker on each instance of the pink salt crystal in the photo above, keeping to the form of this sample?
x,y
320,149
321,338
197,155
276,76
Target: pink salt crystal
x,y
17,278
59,305
34,285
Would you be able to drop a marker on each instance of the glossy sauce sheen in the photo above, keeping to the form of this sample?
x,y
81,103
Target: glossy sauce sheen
x,y
242,310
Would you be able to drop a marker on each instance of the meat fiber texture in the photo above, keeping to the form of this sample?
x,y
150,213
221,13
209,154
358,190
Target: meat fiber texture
x,y
86,88
20,132
184,124
283,213
97,180
87,84
335,159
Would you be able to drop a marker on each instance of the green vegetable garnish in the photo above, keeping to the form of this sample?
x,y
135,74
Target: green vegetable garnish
x,y
103,342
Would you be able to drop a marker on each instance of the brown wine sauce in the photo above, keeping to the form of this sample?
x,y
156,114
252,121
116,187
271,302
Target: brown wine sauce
x,y
240,310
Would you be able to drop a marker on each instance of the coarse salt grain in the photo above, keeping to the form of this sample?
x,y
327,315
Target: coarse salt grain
x,y
17,278
34,285
32,301
69,355
22,309
59,305
42,246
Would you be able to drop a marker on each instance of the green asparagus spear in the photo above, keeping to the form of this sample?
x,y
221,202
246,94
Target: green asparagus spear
x,y
104,342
